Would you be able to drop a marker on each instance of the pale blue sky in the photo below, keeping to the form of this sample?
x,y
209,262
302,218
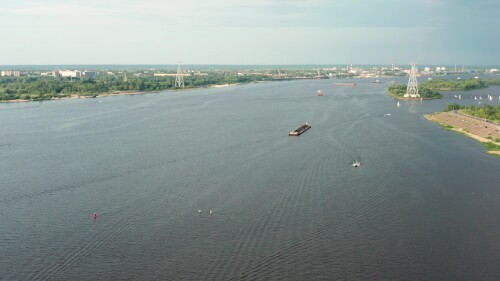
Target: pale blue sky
x,y
250,32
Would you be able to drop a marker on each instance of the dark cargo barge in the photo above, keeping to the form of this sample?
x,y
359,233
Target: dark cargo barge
x,y
297,132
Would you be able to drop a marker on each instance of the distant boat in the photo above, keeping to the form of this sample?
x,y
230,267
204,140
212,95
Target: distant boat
x,y
459,97
475,97
476,77
376,81
455,96
480,97
320,93
430,78
458,78
199,211
398,104
356,164
210,212
344,84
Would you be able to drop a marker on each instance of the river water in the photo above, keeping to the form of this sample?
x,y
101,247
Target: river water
x,y
424,204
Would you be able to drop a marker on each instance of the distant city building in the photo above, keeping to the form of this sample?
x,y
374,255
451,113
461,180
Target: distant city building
x,y
67,73
394,67
10,73
88,73
164,74
70,73
175,74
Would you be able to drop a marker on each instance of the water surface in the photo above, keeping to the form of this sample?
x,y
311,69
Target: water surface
x,y
423,205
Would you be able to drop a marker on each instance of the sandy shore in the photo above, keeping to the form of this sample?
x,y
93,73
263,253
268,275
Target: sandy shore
x,y
224,85
118,93
477,129
113,93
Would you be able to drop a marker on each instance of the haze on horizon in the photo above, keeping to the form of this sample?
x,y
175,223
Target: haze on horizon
x,y
249,32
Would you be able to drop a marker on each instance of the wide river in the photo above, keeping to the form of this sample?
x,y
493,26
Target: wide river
x,y
423,205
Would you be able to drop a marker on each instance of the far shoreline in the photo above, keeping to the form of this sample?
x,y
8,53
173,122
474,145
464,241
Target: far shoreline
x,y
121,93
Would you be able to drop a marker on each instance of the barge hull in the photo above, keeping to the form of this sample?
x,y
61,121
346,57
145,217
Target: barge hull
x,y
300,130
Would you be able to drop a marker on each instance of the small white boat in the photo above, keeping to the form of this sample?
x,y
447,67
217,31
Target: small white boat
x,y
199,211
398,104
480,97
356,164
210,212
459,97
475,97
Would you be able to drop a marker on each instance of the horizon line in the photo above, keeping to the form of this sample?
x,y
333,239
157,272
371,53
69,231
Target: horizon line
x,y
242,64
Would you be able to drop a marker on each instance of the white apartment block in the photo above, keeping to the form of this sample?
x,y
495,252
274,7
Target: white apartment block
x,y
10,73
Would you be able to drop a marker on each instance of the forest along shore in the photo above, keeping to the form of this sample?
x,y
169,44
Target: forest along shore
x,y
118,93
482,131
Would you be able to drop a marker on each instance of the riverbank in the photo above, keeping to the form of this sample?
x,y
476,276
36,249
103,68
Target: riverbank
x,y
119,93
112,93
482,131
408,99
226,85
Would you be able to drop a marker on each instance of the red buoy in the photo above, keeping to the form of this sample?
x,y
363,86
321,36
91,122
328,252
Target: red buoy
x,y
95,216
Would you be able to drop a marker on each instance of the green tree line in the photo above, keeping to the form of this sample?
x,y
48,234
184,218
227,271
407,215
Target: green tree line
x,y
486,111
460,85
44,88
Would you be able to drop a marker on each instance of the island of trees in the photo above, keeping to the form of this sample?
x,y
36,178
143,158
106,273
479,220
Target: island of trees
x,y
456,85
430,89
460,85
398,91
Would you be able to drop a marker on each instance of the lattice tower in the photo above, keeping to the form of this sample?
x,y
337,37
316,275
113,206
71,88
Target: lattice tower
x,y
179,79
412,88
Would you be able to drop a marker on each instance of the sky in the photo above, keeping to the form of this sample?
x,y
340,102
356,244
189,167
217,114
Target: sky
x,y
447,32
